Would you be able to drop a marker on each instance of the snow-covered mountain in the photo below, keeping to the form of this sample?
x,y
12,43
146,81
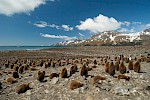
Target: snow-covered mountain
x,y
112,38
75,42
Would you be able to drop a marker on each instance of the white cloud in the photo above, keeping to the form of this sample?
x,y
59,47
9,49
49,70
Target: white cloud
x,y
54,26
147,25
132,27
10,7
123,30
81,34
99,24
43,24
126,23
58,36
133,30
50,0
67,28
136,22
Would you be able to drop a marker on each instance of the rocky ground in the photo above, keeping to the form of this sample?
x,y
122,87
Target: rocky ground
x,y
137,88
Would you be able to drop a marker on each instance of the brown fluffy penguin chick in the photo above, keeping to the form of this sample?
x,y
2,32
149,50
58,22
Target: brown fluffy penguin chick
x,y
52,64
26,67
94,66
31,68
89,69
105,60
53,75
10,80
0,85
15,74
16,67
22,88
6,64
83,70
59,63
9,72
76,61
45,65
11,66
122,68
96,79
1,73
127,78
111,69
41,63
73,69
126,60
63,73
116,66
74,84
40,75
106,66
20,70
130,65
118,60
136,67
95,62
147,59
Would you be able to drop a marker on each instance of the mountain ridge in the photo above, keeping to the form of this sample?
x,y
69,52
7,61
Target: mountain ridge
x,y
114,38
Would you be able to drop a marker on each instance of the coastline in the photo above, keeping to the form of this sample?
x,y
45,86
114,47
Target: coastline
x,y
97,51
14,48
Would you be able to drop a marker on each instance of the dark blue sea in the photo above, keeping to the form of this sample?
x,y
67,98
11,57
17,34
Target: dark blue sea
x,y
11,48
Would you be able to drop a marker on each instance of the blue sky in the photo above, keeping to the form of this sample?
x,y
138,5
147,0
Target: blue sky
x,y
45,22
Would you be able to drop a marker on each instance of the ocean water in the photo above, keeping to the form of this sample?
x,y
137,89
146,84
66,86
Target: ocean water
x,y
11,48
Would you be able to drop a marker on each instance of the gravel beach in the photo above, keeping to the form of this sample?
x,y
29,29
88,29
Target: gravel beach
x,y
55,59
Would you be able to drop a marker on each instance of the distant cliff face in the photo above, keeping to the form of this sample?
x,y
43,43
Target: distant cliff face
x,y
112,38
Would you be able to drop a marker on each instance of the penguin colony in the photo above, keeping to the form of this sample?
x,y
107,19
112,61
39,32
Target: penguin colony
x,y
83,66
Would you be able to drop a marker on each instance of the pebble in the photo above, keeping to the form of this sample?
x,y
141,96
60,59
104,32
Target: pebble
x,y
138,98
28,92
66,79
121,91
54,80
46,91
97,90
105,99
89,97
148,88
106,87
77,91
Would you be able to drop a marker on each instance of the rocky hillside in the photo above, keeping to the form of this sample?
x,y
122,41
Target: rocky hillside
x,y
112,38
